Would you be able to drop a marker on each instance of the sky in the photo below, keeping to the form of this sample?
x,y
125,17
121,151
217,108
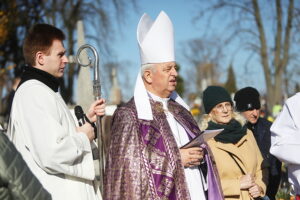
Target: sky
x,y
178,11
181,13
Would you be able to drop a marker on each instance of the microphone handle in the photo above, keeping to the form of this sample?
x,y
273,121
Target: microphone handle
x,y
92,124
81,120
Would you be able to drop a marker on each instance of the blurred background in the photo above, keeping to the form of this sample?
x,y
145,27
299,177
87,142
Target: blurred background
x,y
221,42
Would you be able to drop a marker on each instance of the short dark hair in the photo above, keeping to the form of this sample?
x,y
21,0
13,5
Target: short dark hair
x,y
40,38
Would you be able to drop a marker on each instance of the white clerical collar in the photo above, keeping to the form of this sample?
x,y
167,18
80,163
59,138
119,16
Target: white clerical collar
x,y
164,101
142,103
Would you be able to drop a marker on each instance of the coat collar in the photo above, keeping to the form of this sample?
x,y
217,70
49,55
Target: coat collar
x,y
40,75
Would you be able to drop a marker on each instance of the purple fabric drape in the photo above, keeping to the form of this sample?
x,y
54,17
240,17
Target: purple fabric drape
x,y
164,183
214,187
144,161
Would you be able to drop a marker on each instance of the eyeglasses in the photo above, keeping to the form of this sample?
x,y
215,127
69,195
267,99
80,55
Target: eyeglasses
x,y
223,107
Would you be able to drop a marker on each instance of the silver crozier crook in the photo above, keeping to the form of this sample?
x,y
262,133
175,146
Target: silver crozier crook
x,y
97,95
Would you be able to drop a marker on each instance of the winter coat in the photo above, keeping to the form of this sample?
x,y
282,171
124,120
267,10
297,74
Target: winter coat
x,y
236,160
262,134
16,179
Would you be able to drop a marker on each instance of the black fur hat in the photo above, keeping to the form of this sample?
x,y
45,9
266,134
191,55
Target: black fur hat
x,y
247,99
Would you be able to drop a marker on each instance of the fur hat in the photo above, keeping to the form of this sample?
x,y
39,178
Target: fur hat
x,y
214,95
247,99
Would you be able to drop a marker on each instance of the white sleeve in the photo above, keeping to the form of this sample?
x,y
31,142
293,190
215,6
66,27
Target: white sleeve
x,y
285,134
52,140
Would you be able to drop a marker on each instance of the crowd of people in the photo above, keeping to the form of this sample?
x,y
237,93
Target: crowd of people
x,y
157,149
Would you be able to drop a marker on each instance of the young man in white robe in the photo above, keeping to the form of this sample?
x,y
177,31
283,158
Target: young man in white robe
x,y
42,127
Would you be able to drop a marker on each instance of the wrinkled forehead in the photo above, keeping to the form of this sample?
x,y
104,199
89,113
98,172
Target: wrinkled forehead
x,y
166,64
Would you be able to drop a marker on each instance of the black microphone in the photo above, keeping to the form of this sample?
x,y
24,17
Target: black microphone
x,y
79,115
82,118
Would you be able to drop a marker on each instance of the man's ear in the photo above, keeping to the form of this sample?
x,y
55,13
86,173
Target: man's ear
x,y
39,58
148,76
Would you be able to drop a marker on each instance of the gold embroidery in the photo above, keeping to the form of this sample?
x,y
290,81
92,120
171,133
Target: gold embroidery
x,y
158,107
154,138
166,186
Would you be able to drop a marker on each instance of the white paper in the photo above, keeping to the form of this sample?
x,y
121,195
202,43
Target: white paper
x,y
204,136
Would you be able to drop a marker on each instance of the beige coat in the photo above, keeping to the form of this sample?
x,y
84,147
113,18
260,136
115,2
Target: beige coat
x,y
248,157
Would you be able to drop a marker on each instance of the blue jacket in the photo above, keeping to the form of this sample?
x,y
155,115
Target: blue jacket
x,y
262,134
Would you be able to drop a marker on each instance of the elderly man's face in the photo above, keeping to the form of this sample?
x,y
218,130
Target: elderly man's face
x,y
164,79
252,115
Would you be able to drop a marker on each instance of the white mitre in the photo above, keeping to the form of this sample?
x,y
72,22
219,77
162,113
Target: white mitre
x,y
156,43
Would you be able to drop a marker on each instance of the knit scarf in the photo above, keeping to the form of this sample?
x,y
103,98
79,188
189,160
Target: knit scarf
x,y
232,133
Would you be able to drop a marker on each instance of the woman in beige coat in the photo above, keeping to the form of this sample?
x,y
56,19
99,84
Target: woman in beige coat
x,y
238,159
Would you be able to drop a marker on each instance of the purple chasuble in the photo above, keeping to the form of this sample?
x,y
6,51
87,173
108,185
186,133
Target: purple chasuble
x,y
144,160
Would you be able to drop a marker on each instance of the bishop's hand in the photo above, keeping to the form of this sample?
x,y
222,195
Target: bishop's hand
x,y
191,157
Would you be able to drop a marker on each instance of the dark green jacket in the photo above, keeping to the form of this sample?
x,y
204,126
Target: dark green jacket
x,y
16,179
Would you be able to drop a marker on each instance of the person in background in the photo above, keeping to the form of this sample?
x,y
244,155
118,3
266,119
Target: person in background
x,y
242,171
285,140
144,159
248,104
16,179
15,82
42,127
